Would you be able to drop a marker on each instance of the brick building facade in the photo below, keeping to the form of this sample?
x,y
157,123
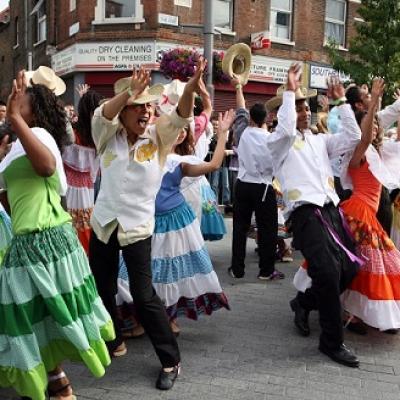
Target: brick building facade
x,y
98,41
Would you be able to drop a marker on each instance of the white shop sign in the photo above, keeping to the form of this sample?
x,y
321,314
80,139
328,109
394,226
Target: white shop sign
x,y
123,56
319,74
167,19
268,69
104,56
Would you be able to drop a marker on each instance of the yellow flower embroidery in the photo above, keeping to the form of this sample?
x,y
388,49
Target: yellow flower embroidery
x,y
331,182
298,144
145,152
108,158
294,194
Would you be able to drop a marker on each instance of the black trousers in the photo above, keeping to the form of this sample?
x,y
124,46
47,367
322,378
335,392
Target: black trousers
x,y
249,199
329,267
104,262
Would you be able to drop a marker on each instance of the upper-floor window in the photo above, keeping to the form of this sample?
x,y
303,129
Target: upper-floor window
x,y
335,22
40,21
223,14
281,20
16,32
118,11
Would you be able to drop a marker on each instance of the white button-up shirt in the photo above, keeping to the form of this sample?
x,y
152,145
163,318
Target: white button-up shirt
x,y
302,163
130,176
255,162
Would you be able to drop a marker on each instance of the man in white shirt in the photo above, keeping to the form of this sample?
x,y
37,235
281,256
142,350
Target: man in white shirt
x,y
302,166
132,156
253,190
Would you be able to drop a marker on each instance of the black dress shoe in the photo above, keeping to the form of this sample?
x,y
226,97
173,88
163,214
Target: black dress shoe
x,y
166,380
300,317
391,331
342,355
236,275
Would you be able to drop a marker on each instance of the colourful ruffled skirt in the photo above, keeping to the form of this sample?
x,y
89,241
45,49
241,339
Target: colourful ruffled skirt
x,y
374,294
183,275
5,233
50,311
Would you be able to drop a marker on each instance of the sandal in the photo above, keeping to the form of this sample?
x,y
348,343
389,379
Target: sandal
x,y
120,351
57,394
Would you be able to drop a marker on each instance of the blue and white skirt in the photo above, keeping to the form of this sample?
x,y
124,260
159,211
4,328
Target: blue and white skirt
x,y
212,221
183,275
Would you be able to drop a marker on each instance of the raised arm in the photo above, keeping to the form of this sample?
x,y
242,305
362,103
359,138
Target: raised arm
x,y
242,118
390,114
367,124
280,141
224,123
41,158
350,134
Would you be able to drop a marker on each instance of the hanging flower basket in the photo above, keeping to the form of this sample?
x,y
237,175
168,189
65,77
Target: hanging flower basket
x,y
179,63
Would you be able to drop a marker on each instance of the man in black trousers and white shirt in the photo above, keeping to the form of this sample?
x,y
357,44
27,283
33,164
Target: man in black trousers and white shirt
x,y
302,165
253,190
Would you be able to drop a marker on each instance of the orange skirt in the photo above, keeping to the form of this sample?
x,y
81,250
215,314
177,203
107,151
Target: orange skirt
x,y
374,294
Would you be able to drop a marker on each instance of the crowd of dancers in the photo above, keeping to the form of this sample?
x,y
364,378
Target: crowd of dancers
x,y
105,212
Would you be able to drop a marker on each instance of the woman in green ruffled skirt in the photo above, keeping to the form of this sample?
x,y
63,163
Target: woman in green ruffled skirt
x,y
49,307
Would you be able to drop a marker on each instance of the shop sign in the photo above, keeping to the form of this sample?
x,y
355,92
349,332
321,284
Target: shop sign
x,y
319,75
104,56
123,56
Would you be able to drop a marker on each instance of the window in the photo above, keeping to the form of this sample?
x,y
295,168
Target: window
x,y
223,14
280,23
118,11
16,32
335,21
40,21
72,5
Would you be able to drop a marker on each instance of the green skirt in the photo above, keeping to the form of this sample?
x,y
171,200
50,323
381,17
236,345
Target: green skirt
x,y
50,311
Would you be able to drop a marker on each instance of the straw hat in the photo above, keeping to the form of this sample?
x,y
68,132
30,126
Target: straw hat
x,y
170,97
301,94
149,95
237,61
47,77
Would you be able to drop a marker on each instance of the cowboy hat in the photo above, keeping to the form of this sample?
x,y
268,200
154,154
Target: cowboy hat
x,y
47,77
170,96
300,94
237,61
149,95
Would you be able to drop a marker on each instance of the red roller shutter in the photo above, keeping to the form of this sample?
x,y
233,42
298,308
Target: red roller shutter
x,y
254,92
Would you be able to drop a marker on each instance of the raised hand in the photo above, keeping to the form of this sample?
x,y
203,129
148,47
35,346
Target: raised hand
x,y
140,80
235,80
225,121
294,77
17,93
396,94
378,87
335,88
82,89
194,81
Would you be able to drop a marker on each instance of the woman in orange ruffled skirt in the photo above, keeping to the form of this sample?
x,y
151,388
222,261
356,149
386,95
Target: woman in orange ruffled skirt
x,y
374,294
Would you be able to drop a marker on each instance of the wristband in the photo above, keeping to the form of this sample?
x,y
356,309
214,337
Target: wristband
x,y
339,102
238,86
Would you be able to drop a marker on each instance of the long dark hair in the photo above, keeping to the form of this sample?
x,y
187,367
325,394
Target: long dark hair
x,y
48,113
87,104
187,147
